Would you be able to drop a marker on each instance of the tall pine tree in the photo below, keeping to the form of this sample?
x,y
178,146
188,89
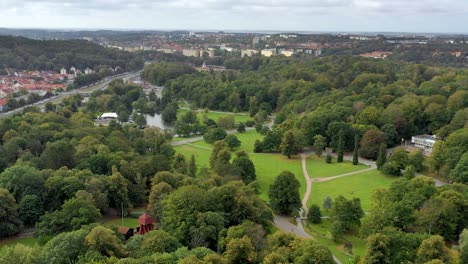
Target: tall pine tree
x,y
340,151
356,150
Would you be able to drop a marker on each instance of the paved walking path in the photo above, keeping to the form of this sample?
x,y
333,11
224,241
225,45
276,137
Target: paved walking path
x,y
283,224
308,184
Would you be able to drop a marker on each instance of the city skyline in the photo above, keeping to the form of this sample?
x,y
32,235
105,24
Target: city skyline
x,y
425,16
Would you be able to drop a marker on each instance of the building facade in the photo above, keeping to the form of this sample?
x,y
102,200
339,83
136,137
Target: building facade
x,y
424,142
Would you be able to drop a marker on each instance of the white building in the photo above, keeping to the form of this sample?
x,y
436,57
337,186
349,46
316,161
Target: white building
x,y
108,116
268,52
424,142
63,71
88,71
191,52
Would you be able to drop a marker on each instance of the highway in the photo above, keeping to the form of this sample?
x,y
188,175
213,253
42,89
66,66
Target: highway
x,y
87,89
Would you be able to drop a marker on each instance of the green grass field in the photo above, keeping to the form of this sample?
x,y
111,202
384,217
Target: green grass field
x,y
202,155
127,222
268,166
318,168
238,117
360,185
27,241
321,233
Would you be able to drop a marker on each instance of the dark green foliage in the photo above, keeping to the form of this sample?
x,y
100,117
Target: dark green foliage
x,y
169,113
192,167
328,158
241,127
314,215
160,73
258,146
10,223
284,193
378,250
340,147
246,168
232,141
214,134
320,142
30,209
356,150
382,156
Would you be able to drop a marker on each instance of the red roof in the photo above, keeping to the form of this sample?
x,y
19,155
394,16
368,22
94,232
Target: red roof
x,y
145,219
3,101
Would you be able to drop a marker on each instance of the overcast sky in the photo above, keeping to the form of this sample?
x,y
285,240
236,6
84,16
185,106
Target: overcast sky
x,y
450,16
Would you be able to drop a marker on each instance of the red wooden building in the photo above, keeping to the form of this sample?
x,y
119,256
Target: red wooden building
x,y
146,223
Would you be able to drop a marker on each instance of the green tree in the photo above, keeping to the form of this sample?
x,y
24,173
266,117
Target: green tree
x,y
463,246
10,222
377,250
65,247
320,142
180,165
292,143
382,156
356,150
460,172
57,154
258,146
214,134
232,141
433,248
118,191
327,203
192,167
19,254
240,251
370,143
341,146
159,241
30,208
241,127
104,241
348,212
246,168
314,215
218,146
328,158
416,159
284,193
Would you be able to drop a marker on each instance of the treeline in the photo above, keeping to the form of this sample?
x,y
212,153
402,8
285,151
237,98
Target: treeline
x,y
27,54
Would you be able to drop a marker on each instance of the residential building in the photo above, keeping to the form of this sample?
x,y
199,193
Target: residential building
x,y
268,52
63,71
424,142
88,71
376,54
248,52
287,53
3,104
191,52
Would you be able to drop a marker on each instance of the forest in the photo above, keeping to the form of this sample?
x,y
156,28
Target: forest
x,y
55,161
27,54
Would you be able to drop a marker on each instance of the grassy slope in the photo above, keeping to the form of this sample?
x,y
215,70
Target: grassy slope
x,y
27,241
359,185
318,168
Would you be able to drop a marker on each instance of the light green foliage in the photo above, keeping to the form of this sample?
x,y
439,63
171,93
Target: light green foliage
x,y
104,241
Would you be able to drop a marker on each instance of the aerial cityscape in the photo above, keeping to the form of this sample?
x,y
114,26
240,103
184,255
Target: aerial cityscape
x,y
226,132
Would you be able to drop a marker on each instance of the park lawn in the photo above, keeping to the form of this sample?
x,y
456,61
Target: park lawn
x,y
238,117
321,233
318,168
268,166
26,241
248,140
361,185
202,155
127,222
